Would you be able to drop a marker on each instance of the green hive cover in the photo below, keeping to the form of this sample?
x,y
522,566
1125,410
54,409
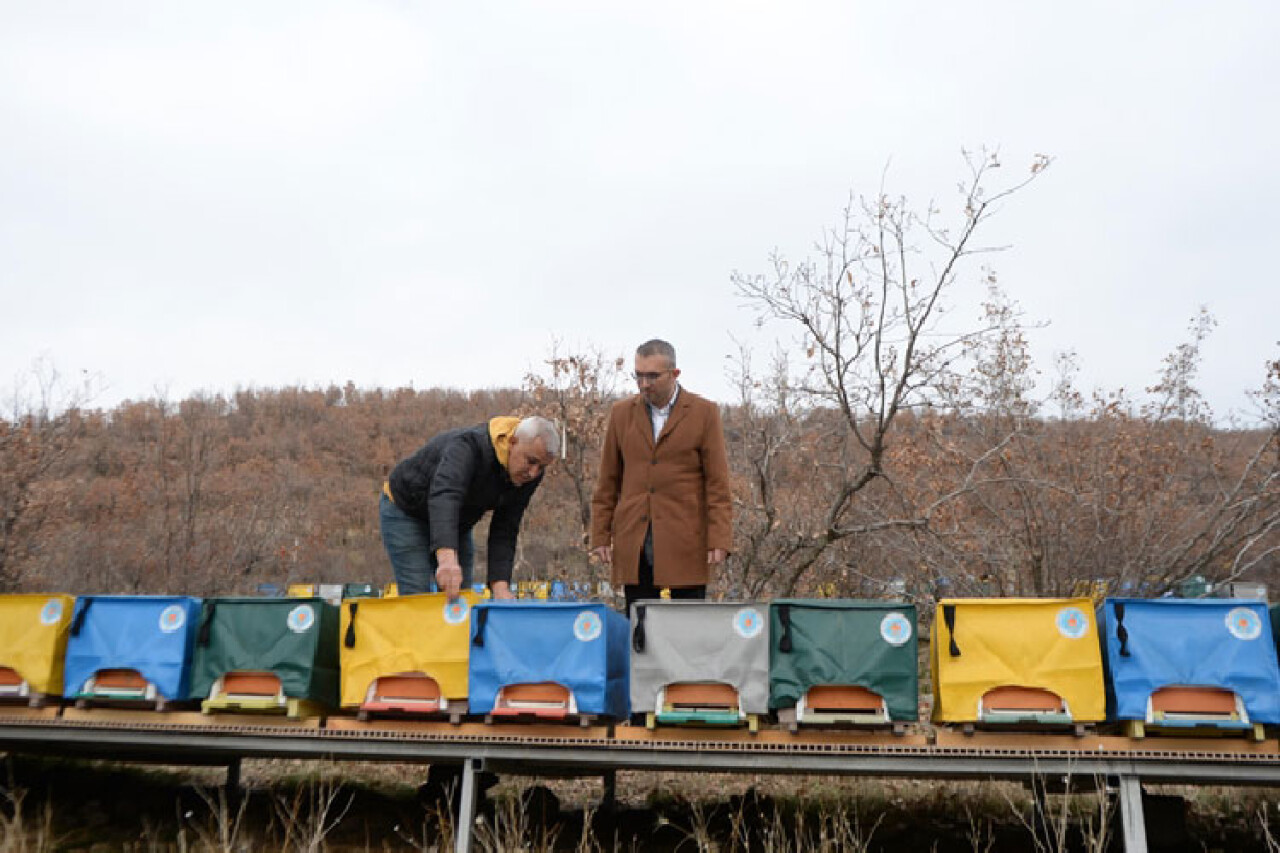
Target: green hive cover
x,y
295,638
869,644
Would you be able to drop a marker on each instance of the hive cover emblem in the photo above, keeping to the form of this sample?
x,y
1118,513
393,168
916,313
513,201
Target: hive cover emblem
x,y
51,612
748,623
301,618
587,626
172,618
1072,623
455,612
1244,624
895,628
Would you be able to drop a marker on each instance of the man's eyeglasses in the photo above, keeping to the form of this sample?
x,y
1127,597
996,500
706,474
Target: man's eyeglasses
x,y
649,378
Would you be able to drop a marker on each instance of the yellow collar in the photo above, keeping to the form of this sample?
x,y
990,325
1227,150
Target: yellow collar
x,y
500,430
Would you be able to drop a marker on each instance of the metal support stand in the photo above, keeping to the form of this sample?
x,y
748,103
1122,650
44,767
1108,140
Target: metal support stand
x,y
467,806
233,781
1131,819
609,797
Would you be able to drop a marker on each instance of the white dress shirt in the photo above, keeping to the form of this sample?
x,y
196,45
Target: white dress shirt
x,y
659,416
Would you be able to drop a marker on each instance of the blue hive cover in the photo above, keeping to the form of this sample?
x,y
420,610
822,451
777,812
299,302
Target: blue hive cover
x,y
152,634
1154,643
579,645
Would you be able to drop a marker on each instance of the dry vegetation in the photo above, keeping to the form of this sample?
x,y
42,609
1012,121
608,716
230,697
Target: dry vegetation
x,y
289,806
212,496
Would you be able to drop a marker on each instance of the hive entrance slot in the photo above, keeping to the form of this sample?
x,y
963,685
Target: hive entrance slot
x,y
251,685
120,684
832,698
11,683
1014,704
1014,699
539,699
1205,703
701,696
408,688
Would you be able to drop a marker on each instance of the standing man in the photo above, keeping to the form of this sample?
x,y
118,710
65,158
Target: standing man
x,y
661,512
433,499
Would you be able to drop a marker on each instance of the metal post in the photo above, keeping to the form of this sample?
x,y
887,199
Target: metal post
x,y
233,780
609,798
1131,819
466,806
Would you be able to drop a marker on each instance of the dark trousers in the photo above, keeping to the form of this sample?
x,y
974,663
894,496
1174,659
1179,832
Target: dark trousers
x,y
646,589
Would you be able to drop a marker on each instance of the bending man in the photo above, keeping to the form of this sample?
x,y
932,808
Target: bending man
x,y
434,497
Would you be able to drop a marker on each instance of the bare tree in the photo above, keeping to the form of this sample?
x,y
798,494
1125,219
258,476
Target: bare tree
x,y
576,391
1123,497
872,353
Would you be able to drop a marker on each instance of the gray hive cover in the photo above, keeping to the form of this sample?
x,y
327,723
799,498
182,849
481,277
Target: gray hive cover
x,y
678,641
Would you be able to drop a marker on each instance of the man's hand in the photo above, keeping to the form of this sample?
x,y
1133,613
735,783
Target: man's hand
x,y
501,590
448,572
604,554
716,556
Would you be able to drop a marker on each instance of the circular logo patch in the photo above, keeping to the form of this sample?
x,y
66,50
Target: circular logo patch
x,y
455,612
895,628
1072,623
748,623
587,626
51,613
172,618
301,618
1244,624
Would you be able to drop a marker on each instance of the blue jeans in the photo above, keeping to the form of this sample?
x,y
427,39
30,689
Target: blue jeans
x,y
413,560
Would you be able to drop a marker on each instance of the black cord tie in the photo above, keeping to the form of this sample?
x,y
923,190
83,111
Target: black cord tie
x,y
1121,631
637,638
78,622
206,621
350,639
784,616
949,616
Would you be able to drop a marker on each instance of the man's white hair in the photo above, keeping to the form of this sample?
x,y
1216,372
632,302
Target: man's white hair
x,y
534,427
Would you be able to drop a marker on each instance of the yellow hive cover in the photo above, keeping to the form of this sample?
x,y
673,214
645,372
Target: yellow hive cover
x,y
407,633
33,638
1047,643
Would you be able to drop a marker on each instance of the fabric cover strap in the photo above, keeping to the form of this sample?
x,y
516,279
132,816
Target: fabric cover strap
x,y
1122,633
637,639
949,616
349,639
206,620
784,616
78,622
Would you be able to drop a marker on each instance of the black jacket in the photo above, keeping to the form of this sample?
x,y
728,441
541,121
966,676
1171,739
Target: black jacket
x,y
452,482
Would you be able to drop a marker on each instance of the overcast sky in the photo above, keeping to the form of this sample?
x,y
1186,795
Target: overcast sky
x,y
208,196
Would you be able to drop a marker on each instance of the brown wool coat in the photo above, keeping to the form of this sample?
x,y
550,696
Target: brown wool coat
x,y
681,486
